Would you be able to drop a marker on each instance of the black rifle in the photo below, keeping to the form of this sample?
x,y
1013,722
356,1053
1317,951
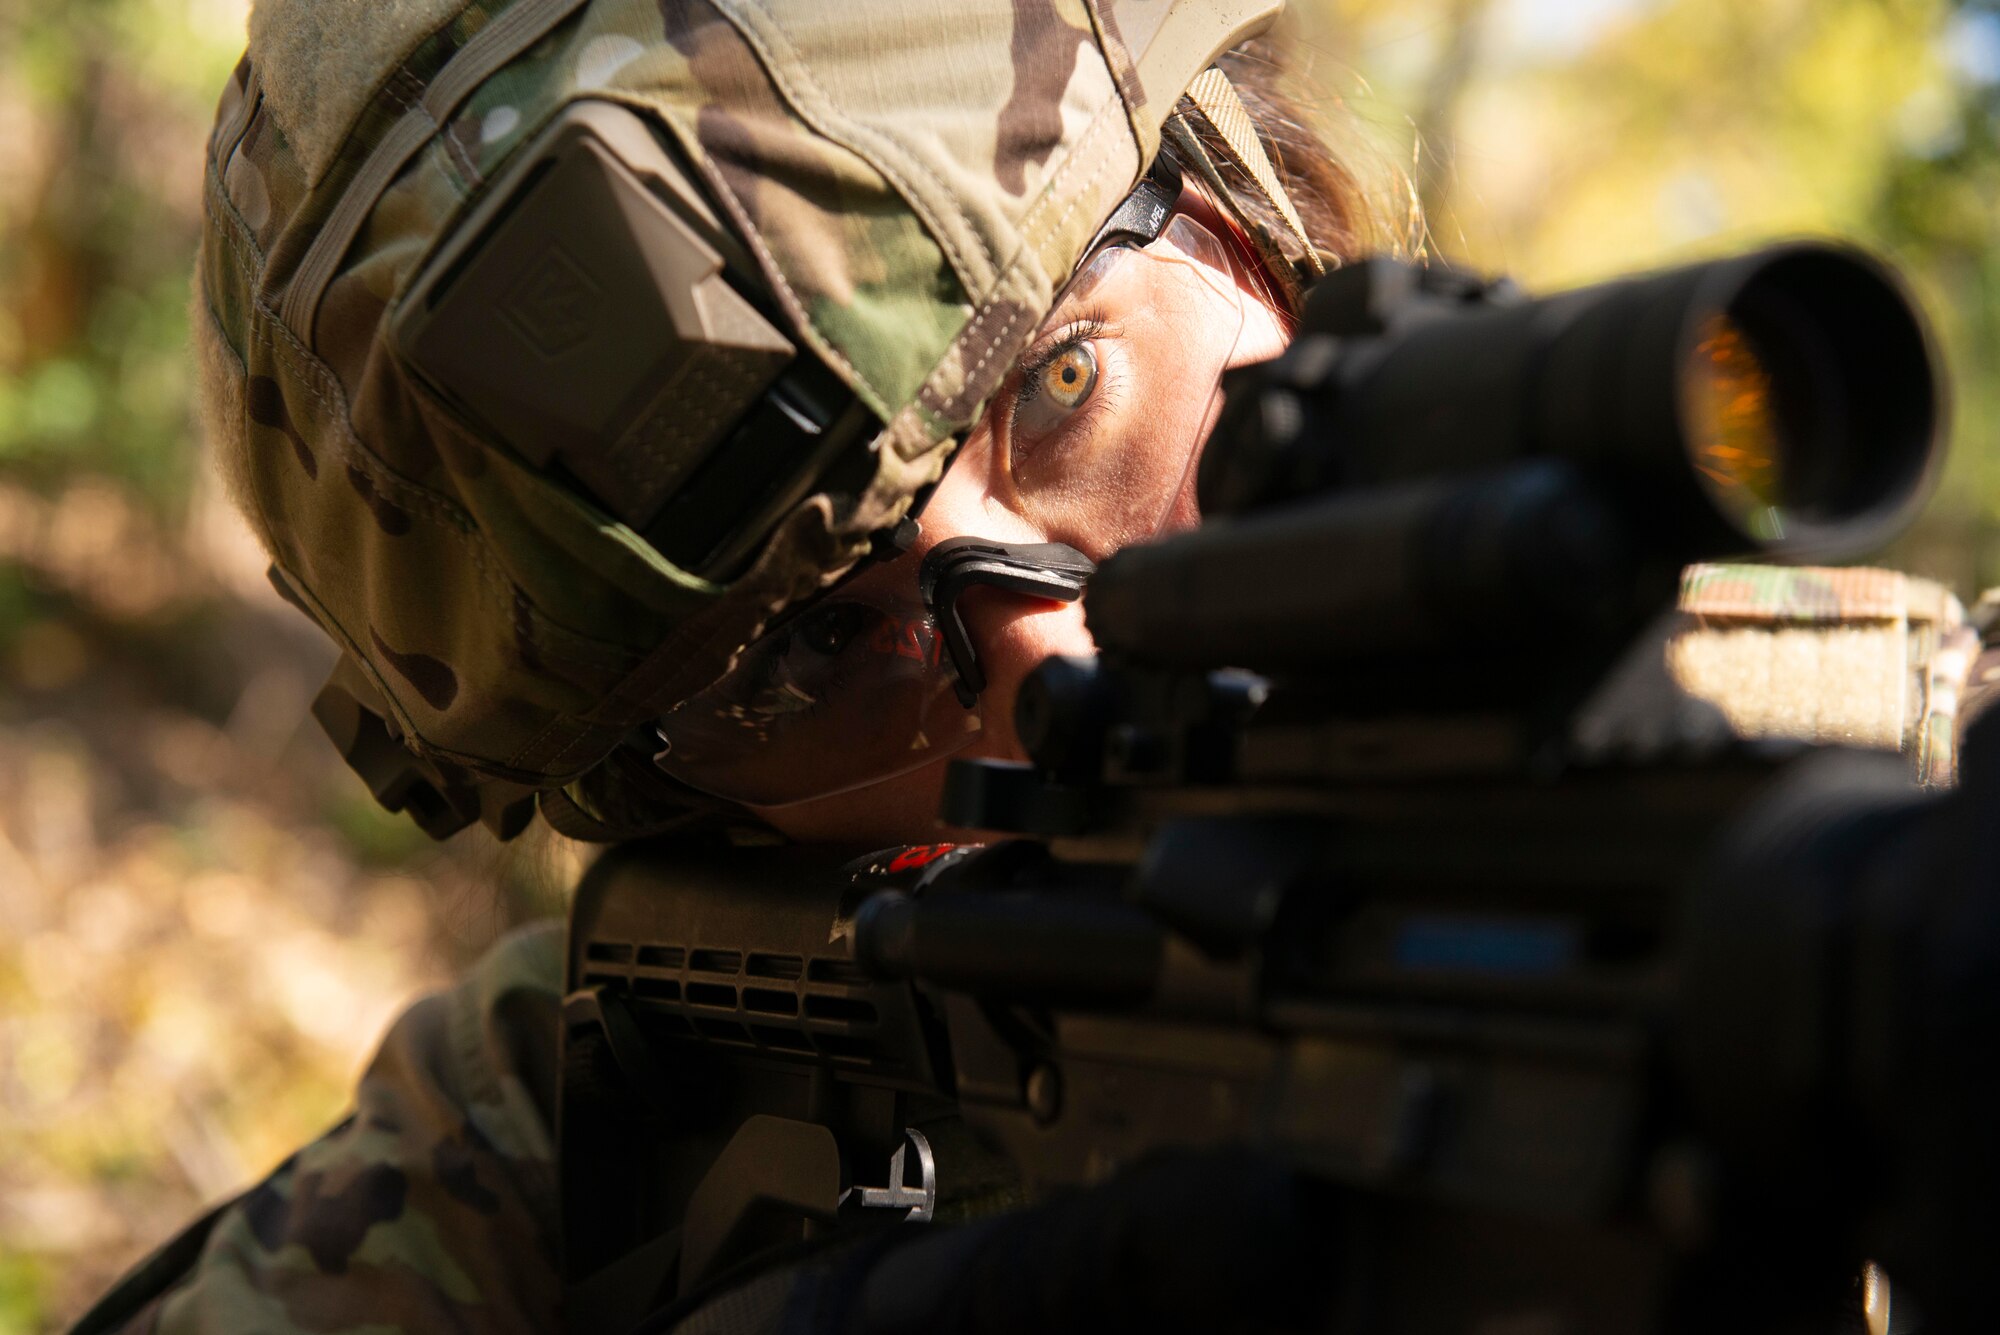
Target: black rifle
x,y
1377,839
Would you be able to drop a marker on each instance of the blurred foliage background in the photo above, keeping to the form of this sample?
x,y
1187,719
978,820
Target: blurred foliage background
x,y
1564,141
205,924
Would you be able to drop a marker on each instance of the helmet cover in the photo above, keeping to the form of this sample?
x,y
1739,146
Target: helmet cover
x,y
914,181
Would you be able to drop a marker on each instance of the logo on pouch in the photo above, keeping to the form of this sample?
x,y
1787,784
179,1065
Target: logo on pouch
x,y
554,305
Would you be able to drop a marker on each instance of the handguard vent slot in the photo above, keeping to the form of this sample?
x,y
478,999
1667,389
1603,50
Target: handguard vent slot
x,y
770,1001
838,971
716,961
795,1006
719,995
786,968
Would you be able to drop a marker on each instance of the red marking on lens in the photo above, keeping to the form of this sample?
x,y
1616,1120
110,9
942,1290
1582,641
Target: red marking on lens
x,y
913,639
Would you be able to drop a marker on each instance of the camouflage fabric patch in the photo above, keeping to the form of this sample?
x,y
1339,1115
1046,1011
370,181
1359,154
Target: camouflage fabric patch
x,y
1858,657
1796,594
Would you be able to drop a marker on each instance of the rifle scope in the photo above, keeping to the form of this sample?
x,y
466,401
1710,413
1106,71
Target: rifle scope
x,y
1785,401
1458,464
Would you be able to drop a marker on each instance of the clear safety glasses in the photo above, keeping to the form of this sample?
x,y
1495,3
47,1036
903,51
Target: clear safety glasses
x,y
1092,442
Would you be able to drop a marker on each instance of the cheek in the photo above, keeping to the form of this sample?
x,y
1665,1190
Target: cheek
x,y
972,498
1014,637
1263,337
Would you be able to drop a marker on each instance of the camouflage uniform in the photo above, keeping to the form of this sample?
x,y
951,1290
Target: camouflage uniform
x,y
432,1206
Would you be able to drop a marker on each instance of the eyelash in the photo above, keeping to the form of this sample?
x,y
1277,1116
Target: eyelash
x,y
1039,360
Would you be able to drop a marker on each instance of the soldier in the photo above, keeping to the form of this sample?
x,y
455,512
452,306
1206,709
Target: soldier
x,y
579,363
544,502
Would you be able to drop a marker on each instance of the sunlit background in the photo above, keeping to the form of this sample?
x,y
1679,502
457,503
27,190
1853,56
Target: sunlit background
x,y
205,924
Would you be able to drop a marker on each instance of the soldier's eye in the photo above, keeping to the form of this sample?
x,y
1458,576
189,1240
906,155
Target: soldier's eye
x,y
1070,376
829,630
1057,383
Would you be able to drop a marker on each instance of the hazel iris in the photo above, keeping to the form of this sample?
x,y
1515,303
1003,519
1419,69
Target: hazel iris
x,y
1070,376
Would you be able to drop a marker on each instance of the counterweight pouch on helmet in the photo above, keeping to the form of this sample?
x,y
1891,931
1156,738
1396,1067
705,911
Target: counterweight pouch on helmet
x,y
594,315
440,798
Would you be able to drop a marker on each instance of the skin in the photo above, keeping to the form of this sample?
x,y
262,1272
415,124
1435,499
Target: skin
x,y
980,496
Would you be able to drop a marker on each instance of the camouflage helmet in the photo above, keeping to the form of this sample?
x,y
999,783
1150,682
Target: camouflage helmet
x,y
904,185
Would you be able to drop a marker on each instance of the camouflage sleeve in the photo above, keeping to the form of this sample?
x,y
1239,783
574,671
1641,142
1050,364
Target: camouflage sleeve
x,y
1854,657
432,1207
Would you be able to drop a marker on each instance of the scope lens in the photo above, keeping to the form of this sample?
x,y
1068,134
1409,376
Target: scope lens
x,y
1737,438
1807,399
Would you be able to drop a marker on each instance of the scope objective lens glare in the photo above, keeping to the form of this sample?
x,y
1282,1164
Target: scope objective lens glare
x,y
1736,438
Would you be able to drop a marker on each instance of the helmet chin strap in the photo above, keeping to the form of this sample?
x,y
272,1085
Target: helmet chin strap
x,y
1054,571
